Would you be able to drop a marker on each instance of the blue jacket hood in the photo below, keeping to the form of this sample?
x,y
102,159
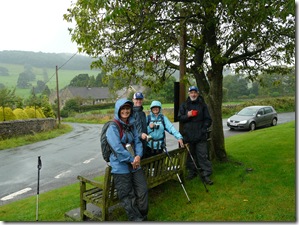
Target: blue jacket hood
x,y
157,104
119,103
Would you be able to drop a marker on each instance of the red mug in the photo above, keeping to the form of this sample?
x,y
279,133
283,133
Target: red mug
x,y
194,112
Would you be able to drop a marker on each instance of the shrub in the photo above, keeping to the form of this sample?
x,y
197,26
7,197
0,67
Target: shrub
x,y
7,115
34,113
20,114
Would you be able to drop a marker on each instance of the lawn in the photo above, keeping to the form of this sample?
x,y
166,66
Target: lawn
x,y
258,184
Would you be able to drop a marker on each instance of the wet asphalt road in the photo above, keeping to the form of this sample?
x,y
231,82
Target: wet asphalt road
x,y
63,159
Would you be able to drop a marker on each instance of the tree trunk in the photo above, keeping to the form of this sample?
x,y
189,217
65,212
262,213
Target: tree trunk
x,y
214,101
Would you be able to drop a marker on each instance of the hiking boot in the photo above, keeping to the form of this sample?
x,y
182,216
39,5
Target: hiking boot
x,y
208,181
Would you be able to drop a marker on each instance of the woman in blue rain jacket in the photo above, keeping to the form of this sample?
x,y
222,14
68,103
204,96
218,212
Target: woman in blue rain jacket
x,y
129,178
157,125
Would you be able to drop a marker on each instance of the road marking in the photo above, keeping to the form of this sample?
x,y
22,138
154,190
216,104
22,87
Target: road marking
x,y
88,161
62,174
11,196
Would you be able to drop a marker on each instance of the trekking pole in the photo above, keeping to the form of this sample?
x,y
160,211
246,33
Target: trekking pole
x,y
197,169
39,166
177,174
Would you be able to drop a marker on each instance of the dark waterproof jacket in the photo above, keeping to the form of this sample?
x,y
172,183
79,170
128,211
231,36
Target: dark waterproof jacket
x,y
140,120
194,128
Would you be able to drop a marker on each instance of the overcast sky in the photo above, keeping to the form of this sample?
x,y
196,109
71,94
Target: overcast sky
x,y
35,25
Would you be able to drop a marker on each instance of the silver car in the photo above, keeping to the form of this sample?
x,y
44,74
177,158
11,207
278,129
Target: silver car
x,y
252,117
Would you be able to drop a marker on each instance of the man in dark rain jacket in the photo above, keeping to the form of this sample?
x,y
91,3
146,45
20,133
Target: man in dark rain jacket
x,y
196,119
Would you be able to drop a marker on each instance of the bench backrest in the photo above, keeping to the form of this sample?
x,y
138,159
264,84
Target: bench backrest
x,y
157,169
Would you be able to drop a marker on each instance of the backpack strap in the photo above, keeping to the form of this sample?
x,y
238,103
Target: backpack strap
x,y
120,128
149,120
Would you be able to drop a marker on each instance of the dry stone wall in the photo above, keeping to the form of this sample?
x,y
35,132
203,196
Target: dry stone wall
x,y
15,128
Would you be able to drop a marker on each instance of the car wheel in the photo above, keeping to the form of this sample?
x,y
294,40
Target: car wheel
x,y
252,126
274,122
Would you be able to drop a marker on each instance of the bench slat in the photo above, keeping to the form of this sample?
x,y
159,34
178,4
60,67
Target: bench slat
x,y
157,169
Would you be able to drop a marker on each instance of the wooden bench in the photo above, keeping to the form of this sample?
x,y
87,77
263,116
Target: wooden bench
x,y
158,169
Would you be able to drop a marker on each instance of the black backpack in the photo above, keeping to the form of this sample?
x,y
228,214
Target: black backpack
x,y
106,148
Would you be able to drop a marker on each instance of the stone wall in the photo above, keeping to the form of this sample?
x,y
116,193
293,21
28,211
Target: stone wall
x,y
15,128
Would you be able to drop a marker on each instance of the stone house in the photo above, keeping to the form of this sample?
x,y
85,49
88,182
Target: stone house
x,y
93,95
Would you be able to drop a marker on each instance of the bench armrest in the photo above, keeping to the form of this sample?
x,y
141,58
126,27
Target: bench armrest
x,y
92,182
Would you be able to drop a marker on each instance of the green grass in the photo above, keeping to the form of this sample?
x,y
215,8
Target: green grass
x,y
29,139
265,194
64,77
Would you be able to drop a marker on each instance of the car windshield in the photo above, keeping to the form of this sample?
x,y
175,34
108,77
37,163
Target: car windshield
x,y
247,112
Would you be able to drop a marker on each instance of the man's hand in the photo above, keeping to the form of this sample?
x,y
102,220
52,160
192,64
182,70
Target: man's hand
x,y
181,143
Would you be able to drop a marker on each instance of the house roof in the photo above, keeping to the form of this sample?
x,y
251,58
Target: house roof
x,y
94,92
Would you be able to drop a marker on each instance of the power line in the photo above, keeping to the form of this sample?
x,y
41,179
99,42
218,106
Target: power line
x,y
68,60
61,67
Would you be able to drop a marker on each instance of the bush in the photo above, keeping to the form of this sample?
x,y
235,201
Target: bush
x,y
7,115
283,104
20,114
34,113
275,94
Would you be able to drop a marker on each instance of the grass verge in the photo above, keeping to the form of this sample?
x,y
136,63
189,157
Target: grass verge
x,y
29,139
258,184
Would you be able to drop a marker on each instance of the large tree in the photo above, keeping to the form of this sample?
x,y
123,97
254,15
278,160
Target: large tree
x,y
140,40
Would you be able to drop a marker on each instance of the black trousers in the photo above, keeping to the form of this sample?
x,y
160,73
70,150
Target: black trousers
x,y
199,153
133,194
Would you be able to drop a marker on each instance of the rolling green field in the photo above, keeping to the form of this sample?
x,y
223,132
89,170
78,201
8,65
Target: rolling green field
x,y
64,77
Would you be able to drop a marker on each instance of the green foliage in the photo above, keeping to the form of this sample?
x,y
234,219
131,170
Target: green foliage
x,y
86,108
46,107
149,38
84,80
71,106
25,78
20,114
7,114
144,41
64,77
164,94
81,80
40,113
4,71
32,112
7,97
270,85
236,86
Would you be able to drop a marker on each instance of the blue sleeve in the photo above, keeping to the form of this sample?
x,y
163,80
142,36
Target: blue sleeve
x,y
113,138
171,129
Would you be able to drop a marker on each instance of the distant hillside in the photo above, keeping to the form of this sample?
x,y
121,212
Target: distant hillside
x,y
46,60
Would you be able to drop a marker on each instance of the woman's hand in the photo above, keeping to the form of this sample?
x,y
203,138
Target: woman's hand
x,y
136,162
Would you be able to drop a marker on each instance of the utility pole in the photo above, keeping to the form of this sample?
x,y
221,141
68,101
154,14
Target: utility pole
x,y
183,45
58,102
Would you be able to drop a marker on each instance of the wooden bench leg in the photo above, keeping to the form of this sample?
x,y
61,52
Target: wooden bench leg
x,y
82,202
